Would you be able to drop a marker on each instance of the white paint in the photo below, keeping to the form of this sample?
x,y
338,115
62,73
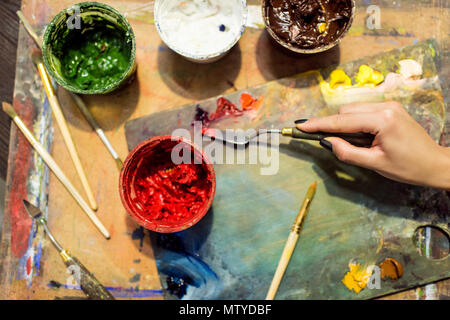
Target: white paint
x,y
410,69
255,17
193,26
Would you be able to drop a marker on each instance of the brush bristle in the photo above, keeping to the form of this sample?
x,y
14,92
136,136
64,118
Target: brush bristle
x,y
36,56
8,108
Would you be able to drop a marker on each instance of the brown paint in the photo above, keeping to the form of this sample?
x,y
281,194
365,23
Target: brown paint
x,y
391,268
298,21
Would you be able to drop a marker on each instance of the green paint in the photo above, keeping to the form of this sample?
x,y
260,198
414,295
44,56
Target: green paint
x,y
96,59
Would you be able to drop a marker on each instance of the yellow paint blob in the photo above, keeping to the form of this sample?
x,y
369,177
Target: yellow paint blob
x,y
339,78
368,77
357,278
322,27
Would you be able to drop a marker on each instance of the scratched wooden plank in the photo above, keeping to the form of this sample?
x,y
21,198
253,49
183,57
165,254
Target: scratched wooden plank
x,y
21,245
165,81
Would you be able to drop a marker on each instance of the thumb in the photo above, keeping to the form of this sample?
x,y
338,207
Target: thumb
x,y
346,152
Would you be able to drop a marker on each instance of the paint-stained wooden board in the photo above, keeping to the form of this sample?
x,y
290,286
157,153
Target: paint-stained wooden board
x,y
164,81
356,214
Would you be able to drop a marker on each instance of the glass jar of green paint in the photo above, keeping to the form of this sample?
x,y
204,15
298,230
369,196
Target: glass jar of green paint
x,y
90,48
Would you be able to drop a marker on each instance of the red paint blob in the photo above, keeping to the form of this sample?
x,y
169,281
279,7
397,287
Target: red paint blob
x,y
163,196
29,265
225,108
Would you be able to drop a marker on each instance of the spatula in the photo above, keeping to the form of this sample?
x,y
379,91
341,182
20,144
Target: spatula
x,y
359,139
88,283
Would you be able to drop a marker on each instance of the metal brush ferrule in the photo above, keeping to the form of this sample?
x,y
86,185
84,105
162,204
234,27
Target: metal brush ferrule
x,y
296,229
287,132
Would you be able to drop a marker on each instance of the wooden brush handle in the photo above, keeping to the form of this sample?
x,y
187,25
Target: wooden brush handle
x,y
88,283
62,124
282,265
55,168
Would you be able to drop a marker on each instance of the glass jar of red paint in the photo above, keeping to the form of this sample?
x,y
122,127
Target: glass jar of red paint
x,y
167,184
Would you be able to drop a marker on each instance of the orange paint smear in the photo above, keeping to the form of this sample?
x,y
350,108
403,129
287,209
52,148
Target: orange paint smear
x,y
250,103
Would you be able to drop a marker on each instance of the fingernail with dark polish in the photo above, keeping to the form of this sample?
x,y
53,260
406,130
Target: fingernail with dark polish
x,y
301,121
326,144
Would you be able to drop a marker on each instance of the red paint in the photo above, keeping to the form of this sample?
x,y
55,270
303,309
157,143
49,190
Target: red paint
x,y
163,196
29,265
19,165
168,192
225,109
209,132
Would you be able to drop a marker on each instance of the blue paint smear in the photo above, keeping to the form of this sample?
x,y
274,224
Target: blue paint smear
x,y
37,258
38,195
198,280
138,234
22,268
178,258
119,292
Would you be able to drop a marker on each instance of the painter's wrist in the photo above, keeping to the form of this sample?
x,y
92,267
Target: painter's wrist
x,y
441,169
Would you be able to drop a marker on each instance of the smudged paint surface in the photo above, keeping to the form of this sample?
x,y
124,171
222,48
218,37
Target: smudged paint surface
x,y
20,221
184,273
227,109
243,254
31,178
138,234
118,292
135,278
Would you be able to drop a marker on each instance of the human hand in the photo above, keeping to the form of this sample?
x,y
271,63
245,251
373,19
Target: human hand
x,y
402,149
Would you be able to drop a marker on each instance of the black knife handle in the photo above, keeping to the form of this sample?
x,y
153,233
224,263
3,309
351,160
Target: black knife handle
x,y
359,139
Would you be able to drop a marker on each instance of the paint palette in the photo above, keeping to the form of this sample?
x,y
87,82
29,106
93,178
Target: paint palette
x,y
357,215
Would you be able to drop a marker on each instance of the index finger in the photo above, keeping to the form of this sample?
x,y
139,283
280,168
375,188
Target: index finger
x,y
344,123
369,107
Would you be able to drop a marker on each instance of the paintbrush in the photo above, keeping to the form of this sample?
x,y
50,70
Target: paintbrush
x,y
86,280
291,242
79,102
55,168
90,118
61,121
359,139
29,29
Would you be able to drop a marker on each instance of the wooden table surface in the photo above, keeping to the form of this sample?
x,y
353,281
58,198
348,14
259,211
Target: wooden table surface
x,y
142,99
9,27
